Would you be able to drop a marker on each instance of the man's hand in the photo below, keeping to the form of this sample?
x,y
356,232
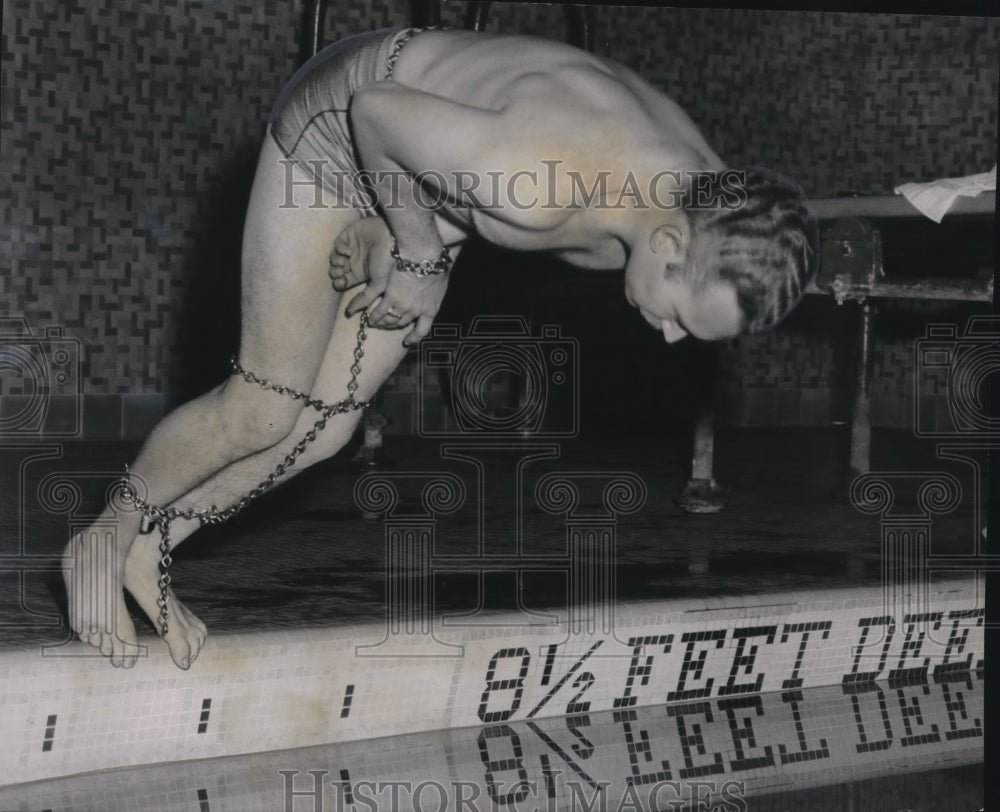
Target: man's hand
x,y
406,299
361,253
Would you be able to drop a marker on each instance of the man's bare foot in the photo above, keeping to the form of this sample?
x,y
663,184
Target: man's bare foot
x,y
92,570
185,633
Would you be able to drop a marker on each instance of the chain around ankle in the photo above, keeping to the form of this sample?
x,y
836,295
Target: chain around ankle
x,y
162,518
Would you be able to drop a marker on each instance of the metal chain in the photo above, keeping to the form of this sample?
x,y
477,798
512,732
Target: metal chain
x,y
162,518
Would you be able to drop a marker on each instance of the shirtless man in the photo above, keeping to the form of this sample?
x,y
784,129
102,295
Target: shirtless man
x,y
503,134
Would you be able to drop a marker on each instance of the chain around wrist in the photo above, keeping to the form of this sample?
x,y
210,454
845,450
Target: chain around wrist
x,y
426,267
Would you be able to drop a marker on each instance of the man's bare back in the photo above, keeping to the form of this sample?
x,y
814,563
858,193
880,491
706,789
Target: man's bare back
x,y
538,126
493,71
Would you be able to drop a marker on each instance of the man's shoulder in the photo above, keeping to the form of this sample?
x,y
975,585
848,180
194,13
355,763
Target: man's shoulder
x,y
484,69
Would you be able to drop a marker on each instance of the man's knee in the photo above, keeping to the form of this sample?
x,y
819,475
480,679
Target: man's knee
x,y
253,419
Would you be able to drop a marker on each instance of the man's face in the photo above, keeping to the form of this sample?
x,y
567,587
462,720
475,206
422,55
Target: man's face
x,y
669,304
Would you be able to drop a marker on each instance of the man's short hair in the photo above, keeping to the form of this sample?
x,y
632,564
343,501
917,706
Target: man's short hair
x,y
766,246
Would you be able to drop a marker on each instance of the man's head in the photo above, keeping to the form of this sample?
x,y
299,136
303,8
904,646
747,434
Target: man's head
x,y
728,269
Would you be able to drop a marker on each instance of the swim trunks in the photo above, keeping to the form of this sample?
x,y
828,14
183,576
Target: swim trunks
x,y
309,121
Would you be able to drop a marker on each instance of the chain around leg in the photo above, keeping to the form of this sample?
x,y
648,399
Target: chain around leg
x,y
164,581
163,517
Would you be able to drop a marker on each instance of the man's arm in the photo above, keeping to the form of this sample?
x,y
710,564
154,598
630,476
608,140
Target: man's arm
x,y
400,132
383,118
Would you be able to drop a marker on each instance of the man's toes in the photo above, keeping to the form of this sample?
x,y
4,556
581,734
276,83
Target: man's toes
x,y
200,627
198,642
180,651
107,644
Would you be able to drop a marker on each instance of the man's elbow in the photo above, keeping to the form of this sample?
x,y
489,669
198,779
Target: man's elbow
x,y
372,115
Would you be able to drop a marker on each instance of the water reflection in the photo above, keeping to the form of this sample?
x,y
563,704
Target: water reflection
x,y
717,754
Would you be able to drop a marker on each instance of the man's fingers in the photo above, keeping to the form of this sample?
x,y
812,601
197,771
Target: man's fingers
x,y
346,276
339,265
387,317
346,282
345,269
363,300
346,252
420,331
343,247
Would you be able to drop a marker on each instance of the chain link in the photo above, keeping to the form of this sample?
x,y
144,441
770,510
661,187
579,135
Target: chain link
x,y
162,518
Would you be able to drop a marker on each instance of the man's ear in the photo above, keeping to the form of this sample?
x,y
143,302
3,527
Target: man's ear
x,y
670,243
